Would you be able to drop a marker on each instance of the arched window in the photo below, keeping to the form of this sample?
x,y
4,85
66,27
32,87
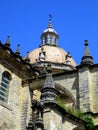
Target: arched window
x,y
50,39
55,41
4,87
45,39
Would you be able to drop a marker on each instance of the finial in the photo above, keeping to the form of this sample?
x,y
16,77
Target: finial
x,y
7,43
42,54
27,59
68,55
67,58
50,21
87,58
50,17
86,42
18,50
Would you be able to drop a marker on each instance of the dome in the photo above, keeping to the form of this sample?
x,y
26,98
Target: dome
x,y
49,30
49,51
52,54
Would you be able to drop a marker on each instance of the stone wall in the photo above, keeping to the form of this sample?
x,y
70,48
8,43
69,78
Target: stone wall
x,y
84,89
14,115
68,125
10,112
94,90
69,84
52,120
25,107
82,86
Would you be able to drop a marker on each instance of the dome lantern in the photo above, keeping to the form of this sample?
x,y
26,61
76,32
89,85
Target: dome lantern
x,y
50,52
49,35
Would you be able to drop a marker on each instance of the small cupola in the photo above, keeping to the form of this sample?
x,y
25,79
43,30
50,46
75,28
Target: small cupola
x,y
87,59
49,35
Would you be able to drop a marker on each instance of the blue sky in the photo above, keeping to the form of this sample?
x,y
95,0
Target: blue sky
x,y
74,20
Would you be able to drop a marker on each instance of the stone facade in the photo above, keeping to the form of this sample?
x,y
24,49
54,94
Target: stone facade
x,y
55,121
94,89
81,87
52,119
10,112
14,115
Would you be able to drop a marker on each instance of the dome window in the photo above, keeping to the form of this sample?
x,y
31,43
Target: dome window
x,y
55,41
51,39
45,39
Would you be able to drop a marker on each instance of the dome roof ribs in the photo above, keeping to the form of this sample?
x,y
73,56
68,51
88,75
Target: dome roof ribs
x,y
87,58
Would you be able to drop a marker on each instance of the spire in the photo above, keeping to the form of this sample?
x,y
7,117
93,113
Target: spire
x,y
87,58
50,21
48,91
18,50
7,43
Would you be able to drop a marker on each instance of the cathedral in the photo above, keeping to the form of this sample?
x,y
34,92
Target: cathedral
x,y
46,89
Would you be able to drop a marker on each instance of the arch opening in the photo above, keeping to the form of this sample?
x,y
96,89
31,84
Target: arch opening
x,y
66,96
